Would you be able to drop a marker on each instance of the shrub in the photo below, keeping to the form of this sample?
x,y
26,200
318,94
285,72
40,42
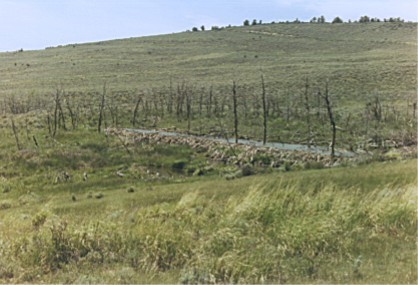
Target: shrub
x,y
39,220
286,166
196,276
6,188
264,159
5,205
247,170
99,195
313,165
178,165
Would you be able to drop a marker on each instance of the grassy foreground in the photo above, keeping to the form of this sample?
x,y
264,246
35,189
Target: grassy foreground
x,y
342,225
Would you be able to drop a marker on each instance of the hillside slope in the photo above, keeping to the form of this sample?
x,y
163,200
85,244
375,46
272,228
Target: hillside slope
x,y
357,58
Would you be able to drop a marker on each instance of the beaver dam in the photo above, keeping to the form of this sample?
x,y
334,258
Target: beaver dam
x,y
244,152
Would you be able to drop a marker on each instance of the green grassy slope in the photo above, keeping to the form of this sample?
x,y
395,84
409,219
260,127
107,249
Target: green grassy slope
x,y
357,58
319,227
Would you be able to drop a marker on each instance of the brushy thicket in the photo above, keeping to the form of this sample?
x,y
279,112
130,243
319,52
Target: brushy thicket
x,y
274,233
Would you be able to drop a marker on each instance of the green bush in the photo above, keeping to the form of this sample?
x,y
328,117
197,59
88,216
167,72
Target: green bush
x,y
178,165
39,219
313,165
247,170
4,205
99,195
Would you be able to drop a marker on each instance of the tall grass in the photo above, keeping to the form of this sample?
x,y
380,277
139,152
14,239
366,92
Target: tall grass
x,y
267,229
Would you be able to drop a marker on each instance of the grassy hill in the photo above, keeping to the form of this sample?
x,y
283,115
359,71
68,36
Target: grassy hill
x,y
82,206
356,58
371,69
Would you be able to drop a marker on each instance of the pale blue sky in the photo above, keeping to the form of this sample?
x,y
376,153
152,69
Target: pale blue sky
x,y
36,24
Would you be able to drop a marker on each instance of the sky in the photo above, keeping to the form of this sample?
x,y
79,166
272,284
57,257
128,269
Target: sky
x,y
37,24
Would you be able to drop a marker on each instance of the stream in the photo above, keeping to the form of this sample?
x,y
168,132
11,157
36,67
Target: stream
x,y
281,146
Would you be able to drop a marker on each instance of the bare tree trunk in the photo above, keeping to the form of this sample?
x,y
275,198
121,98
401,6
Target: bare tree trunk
x,y
48,118
61,112
308,111
209,103
19,147
181,93
145,109
245,107
170,98
188,110
135,113
35,141
215,106
200,103
27,129
55,117
332,121
161,97
264,110
101,108
318,111
234,98
70,110
377,108
288,107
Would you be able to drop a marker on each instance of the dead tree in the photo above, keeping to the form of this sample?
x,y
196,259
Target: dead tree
x,y
377,109
135,112
27,128
331,120
318,104
35,141
48,119
245,108
59,113
181,92
73,115
19,147
170,98
234,98
162,100
113,110
263,97
188,96
209,103
101,108
55,116
216,109
308,111
200,102
145,109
